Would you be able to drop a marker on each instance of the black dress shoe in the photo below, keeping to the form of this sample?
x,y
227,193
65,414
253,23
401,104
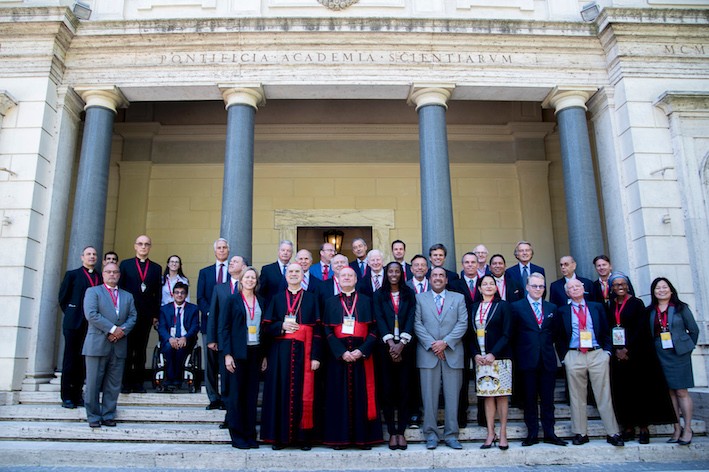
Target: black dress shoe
x,y
239,444
305,447
644,437
80,403
139,389
628,436
277,447
125,390
531,441
109,423
222,406
223,425
615,440
253,444
579,440
94,424
555,440
214,405
368,448
68,404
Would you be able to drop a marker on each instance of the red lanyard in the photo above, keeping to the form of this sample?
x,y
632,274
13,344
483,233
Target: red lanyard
x,y
483,312
293,304
92,281
251,309
231,285
349,312
394,303
142,275
504,287
582,322
114,297
337,285
618,310
662,317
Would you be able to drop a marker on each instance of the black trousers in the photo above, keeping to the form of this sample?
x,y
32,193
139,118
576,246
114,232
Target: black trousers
x,y
73,365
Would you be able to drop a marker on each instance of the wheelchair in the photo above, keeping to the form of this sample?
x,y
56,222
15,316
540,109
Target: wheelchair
x,y
192,376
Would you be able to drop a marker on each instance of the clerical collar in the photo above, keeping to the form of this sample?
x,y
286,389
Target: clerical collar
x,y
296,290
141,260
350,293
91,270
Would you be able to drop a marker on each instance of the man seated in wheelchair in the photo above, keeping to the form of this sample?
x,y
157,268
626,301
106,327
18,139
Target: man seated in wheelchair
x,y
178,327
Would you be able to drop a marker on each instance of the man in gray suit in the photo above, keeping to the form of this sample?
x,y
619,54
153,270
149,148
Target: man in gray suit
x,y
441,321
111,314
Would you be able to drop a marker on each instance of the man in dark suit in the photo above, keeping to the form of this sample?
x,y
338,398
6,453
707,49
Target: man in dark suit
x,y
209,277
398,250
272,278
532,339
557,293
71,301
437,255
359,249
481,252
178,328
601,291
520,271
419,269
509,288
323,270
331,287
440,323
583,342
111,315
310,283
110,256
142,278
374,278
220,296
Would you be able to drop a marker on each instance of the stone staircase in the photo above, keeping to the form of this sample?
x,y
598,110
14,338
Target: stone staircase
x,y
175,431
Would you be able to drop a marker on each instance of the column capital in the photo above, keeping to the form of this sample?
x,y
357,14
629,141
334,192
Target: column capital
x,y
567,96
243,94
106,96
430,94
683,102
7,101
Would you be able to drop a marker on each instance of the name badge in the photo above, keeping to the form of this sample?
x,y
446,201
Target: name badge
x,y
348,325
666,339
396,330
290,318
618,334
143,287
480,332
585,340
253,335
173,332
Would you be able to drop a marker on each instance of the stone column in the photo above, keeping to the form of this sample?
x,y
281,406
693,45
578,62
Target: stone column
x,y
242,101
89,216
436,200
582,208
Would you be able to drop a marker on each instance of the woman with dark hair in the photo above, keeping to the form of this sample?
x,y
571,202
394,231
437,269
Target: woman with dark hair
x,y
170,276
395,310
634,367
491,352
240,341
675,333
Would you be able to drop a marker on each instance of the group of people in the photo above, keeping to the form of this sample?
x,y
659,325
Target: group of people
x,y
340,344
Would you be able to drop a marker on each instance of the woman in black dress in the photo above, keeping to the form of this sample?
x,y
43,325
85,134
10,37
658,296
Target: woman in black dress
x,y
395,310
638,388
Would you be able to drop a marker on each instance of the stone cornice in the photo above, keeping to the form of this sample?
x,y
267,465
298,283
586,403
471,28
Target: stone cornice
x,y
6,102
38,15
691,103
652,16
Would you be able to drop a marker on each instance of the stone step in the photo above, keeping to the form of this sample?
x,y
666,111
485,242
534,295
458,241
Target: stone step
x,y
174,412
209,433
95,455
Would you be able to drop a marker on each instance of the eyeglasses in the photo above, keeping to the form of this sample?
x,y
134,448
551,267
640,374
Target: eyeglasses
x,y
536,287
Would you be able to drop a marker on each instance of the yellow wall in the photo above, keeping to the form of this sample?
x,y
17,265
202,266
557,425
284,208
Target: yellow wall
x,y
184,205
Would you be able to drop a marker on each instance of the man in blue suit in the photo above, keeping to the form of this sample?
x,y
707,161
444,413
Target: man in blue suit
x,y
532,338
359,249
583,342
178,327
111,314
209,277
557,293
323,269
273,276
521,271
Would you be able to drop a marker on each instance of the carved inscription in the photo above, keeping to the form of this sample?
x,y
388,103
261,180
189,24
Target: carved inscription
x,y
360,57
685,49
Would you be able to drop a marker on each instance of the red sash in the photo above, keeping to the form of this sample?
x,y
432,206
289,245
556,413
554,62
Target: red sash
x,y
362,331
305,335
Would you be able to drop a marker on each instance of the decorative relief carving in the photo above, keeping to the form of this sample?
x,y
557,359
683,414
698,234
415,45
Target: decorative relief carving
x,y
337,4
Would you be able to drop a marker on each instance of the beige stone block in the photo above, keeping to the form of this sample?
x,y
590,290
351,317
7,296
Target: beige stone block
x,y
407,219
499,203
273,186
17,195
22,141
334,202
14,346
476,187
466,203
354,186
12,370
303,187
263,219
262,203
195,219
363,203
300,203
205,203
158,219
167,203
510,219
493,234
403,188
215,221
188,171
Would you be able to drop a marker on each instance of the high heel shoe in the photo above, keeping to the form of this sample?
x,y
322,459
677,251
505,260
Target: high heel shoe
x,y
488,446
676,440
393,444
403,445
686,443
504,448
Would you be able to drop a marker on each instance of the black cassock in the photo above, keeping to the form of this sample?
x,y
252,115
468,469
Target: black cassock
x,y
351,412
288,416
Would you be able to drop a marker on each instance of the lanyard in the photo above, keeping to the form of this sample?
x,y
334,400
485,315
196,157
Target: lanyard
x,y
504,286
114,297
662,317
577,312
394,303
618,310
483,312
231,285
293,304
142,275
92,281
349,312
251,309
337,286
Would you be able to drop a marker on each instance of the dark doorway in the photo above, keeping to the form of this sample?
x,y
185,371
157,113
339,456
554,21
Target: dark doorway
x,y
312,237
